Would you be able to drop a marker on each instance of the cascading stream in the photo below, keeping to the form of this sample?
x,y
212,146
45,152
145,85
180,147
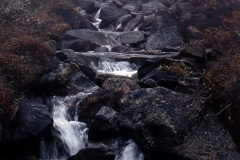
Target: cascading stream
x,y
69,135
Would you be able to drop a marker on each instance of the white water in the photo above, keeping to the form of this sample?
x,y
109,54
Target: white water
x,y
97,19
69,135
130,152
119,26
117,68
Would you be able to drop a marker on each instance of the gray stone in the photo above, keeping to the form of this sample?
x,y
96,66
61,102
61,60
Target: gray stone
x,y
135,22
131,37
159,118
166,39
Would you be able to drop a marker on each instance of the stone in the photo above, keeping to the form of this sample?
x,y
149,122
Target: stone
x,y
79,45
123,20
135,22
23,135
93,153
108,95
104,125
168,39
152,7
97,37
146,26
210,141
110,14
118,3
158,118
131,37
101,49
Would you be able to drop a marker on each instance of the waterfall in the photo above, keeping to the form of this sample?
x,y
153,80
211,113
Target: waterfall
x,y
130,152
97,14
69,135
117,68
98,21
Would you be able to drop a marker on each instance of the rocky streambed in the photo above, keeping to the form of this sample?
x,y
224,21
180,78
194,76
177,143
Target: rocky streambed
x,y
114,95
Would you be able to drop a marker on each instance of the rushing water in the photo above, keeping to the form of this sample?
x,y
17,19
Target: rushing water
x,y
117,68
69,135
130,152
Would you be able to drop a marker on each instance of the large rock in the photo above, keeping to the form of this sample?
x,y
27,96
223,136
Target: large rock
x,y
122,21
158,118
166,39
92,153
90,6
99,38
110,14
146,26
161,78
23,135
131,37
108,95
104,125
135,22
210,141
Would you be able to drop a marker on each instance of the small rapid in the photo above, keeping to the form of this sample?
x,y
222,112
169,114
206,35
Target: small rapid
x,y
121,68
130,152
69,135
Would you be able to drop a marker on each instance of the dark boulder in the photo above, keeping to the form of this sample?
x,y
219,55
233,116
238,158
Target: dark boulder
x,y
104,125
79,45
210,141
90,6
108,95
161,78
158,118
110,14
23,135
86,24
92,153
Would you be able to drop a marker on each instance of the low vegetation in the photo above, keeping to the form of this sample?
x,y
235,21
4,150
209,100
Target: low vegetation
x,y
26,25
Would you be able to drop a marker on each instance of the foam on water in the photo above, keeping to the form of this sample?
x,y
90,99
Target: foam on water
x,y
130,152
69,135
117,68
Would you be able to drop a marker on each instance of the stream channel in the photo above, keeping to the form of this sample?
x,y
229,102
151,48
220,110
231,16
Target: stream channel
x,y
69,134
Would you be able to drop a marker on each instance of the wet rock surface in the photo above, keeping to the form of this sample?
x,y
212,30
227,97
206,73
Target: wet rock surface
x,y
158,113
108,95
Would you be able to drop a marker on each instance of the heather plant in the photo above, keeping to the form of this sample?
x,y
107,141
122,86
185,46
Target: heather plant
x,y
178,68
